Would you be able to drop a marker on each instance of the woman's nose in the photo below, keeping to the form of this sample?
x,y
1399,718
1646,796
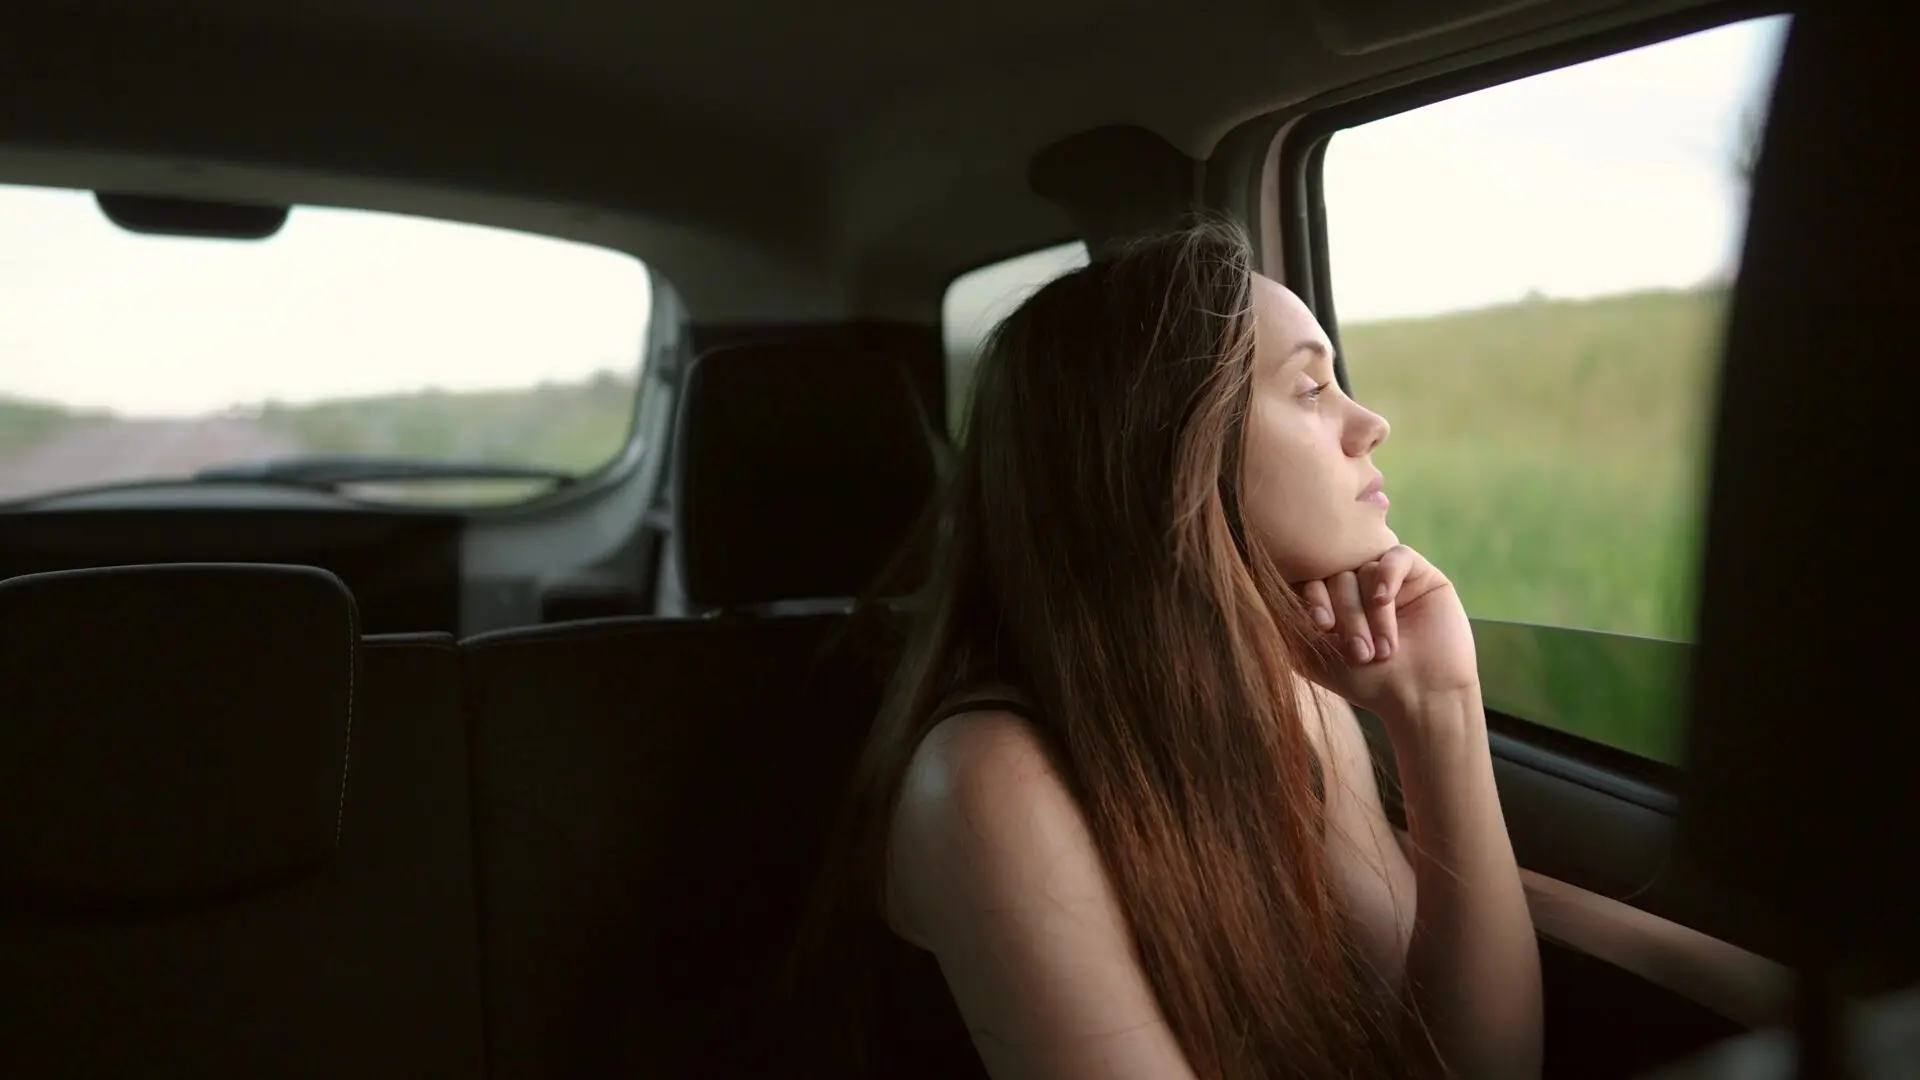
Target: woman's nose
x,y
1367,430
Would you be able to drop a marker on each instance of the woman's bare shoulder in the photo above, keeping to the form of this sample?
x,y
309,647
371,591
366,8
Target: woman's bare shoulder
x,y
984,761
981,798
995,871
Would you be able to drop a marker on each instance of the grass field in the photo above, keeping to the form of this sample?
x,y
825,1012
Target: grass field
x,y
576,427
25,423
1550,454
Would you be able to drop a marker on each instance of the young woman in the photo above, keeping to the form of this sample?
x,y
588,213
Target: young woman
x,y
1118,792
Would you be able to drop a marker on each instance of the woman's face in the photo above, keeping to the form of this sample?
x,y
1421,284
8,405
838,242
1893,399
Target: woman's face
x,y
1312,496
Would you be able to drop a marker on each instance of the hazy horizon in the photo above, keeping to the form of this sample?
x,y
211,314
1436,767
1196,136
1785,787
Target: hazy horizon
x,y
1610,177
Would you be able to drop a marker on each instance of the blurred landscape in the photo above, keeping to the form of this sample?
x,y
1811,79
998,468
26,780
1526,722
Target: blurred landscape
x,y
1550,454
575,427
1547,454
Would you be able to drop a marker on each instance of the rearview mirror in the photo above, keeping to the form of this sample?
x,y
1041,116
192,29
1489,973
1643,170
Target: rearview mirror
x,y
159,215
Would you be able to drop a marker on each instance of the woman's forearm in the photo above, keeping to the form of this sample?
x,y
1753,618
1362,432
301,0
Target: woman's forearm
x,y
1473,964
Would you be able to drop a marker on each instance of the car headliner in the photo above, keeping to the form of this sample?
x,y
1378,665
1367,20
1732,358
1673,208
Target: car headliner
x,y
775,161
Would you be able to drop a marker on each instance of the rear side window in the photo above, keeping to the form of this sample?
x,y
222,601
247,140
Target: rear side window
x,y
1531,283
976,302
127,357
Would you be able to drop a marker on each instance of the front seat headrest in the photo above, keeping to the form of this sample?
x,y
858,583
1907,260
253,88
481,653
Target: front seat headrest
x,y
803,469
170,733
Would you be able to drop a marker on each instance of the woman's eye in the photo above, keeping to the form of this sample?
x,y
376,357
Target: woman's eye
x,y
1315,392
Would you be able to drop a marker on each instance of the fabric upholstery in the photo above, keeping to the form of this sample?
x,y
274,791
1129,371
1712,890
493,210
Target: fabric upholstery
x,y
172,732
803,468
652,796
366,966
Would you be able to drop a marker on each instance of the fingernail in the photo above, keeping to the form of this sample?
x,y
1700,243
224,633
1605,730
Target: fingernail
x,y
1362,649
1323,618
1382,649
1380,591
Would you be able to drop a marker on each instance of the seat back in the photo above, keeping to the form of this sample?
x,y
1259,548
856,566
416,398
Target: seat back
x,y
802,469
236,839
653,795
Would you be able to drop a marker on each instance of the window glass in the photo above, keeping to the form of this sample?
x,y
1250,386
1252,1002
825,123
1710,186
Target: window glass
x,y
1531,283
976,302
127,357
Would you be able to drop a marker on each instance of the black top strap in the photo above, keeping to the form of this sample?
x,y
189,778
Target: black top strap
x,y
984,703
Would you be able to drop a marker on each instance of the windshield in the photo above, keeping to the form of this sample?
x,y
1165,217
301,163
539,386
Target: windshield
x,y
129,357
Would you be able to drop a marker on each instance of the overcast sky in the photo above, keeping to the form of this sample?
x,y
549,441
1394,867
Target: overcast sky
x,y
1611,176
1606,177
337,303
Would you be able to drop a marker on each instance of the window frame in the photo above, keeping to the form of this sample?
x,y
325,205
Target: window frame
x,y
1301,210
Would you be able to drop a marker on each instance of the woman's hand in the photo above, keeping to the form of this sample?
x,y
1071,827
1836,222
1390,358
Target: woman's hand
x,y
1401,634
1473,960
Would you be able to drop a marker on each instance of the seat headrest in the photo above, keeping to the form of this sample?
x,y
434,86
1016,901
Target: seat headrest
x,y
803,469
1799,781
170,733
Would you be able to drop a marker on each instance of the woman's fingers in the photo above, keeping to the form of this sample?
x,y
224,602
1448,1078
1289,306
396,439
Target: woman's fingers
x,y
1350,617
1360,608
1391,573
1380,584
1378,598
1319,607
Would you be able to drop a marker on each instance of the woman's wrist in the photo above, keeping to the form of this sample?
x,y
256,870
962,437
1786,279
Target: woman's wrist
x,y
1440,721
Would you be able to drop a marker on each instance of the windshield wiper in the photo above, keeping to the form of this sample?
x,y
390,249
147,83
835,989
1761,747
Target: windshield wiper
x,y
331,471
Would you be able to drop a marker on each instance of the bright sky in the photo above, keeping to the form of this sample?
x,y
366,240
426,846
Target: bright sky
x,y
1606,177
1616,174
1611,176
338,303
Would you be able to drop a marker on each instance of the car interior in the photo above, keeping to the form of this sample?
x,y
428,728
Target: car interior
x,y
319,756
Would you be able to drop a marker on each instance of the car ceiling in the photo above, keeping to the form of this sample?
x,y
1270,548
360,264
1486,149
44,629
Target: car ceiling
x,y
775,161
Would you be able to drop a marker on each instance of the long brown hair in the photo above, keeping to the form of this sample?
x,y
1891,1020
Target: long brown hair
x,y
1091,552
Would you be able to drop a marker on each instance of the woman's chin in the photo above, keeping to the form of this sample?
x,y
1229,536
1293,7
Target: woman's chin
x,y
1356,550
1382,539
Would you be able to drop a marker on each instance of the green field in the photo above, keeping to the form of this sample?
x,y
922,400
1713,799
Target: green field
x,y
572,427
1549,454
576,427
25,423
